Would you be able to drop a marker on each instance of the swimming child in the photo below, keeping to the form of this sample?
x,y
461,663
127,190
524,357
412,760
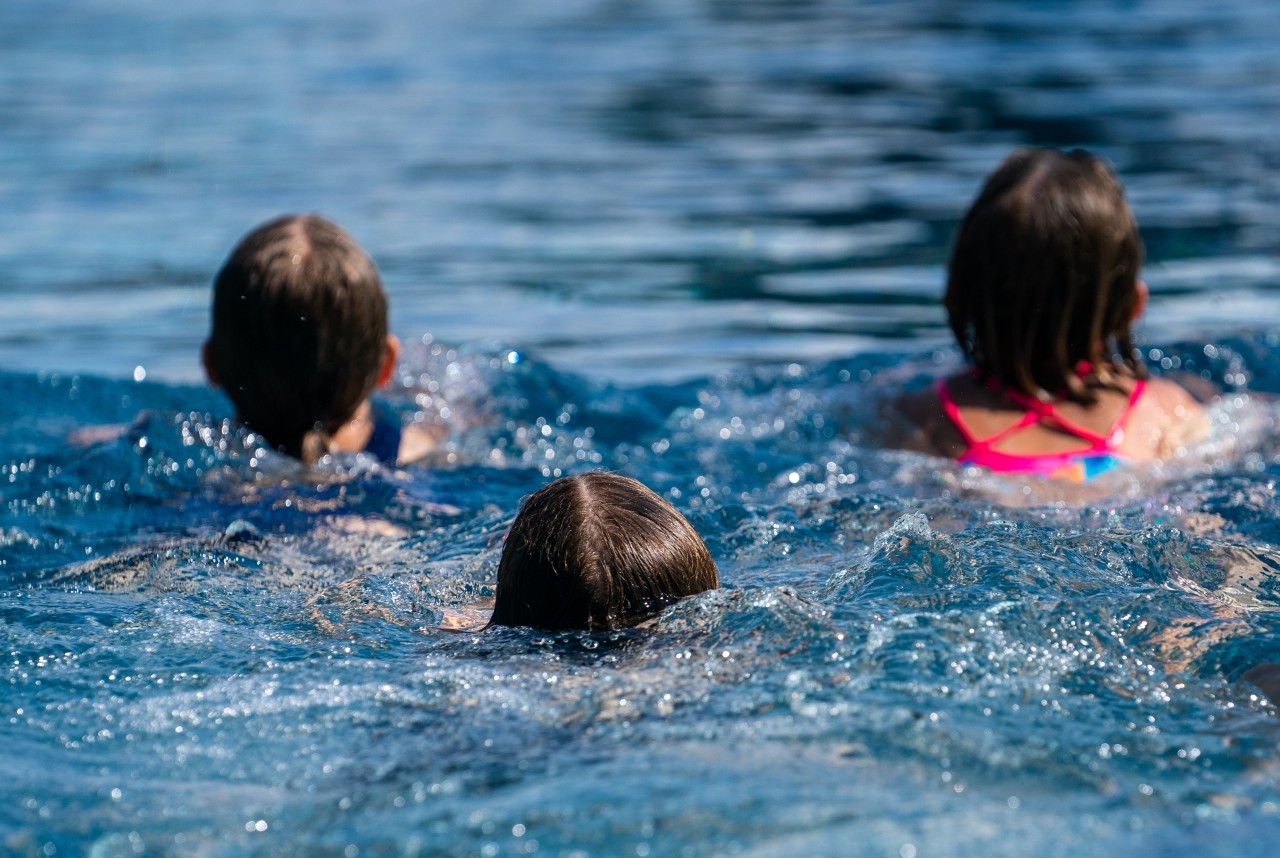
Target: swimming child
x,y
1041,292
597,551
299,341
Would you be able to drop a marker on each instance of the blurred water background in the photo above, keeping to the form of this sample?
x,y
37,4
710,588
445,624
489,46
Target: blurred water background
x,y
691,240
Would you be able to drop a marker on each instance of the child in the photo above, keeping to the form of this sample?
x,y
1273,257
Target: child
x,y
597,551
1041,292
299,340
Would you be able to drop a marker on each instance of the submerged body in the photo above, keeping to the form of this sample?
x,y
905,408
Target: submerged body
x,y
178,611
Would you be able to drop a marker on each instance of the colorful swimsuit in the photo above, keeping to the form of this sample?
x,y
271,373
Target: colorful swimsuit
x,y
1079,465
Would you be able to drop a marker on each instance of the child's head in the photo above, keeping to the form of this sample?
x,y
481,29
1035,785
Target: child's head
x,y
597,551
299,333
1044,275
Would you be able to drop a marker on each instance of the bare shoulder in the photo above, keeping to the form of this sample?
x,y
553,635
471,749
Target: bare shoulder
x,y
418,440
917,406
1168,418
916,421
1170,395
1174,402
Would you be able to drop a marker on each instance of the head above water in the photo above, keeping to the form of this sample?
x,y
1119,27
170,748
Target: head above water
x,y
597,551
1044,275
299,331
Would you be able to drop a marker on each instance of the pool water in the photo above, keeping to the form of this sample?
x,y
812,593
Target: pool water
x,y
695,242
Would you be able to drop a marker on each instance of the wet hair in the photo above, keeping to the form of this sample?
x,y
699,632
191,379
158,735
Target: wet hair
x,y
299,331
597,551
1044,276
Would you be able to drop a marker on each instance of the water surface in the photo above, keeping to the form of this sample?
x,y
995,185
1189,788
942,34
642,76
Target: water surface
x,y
694,242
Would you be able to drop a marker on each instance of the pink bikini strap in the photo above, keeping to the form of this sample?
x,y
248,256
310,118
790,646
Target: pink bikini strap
x,y
1139,385
1046,411
952,411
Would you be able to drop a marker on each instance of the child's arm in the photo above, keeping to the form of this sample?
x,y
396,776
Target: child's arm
x,y
88,436
467,618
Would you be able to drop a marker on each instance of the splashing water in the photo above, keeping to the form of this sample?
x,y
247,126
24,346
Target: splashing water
x,y
694,241
209,644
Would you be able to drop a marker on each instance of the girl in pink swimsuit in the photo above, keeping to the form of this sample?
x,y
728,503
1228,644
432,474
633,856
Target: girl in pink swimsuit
x,y
1098,456
1042,289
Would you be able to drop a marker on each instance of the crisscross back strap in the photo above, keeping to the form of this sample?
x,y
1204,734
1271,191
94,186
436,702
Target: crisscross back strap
x,y
952,411
1047,412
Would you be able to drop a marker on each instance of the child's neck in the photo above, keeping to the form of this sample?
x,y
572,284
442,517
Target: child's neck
x,y
353,436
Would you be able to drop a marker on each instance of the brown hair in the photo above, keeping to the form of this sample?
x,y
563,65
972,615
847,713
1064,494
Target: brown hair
x,y
597,551
1044,275
299,330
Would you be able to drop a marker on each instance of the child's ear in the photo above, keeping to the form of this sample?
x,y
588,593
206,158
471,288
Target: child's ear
x,y
1141,293
389,360
210,371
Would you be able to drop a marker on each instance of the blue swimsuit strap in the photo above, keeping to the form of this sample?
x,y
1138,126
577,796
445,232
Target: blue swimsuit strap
x,y
384,442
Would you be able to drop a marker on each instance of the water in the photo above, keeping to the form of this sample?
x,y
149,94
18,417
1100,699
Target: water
x,y
695,242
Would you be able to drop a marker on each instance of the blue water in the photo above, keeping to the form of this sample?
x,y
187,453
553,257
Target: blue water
x,y
694,242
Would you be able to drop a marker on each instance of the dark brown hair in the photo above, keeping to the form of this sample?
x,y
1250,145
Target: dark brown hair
x,y
1044,275
597,551
299,330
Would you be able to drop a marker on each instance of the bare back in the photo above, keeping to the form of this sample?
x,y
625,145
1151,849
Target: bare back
x,y
1163,420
